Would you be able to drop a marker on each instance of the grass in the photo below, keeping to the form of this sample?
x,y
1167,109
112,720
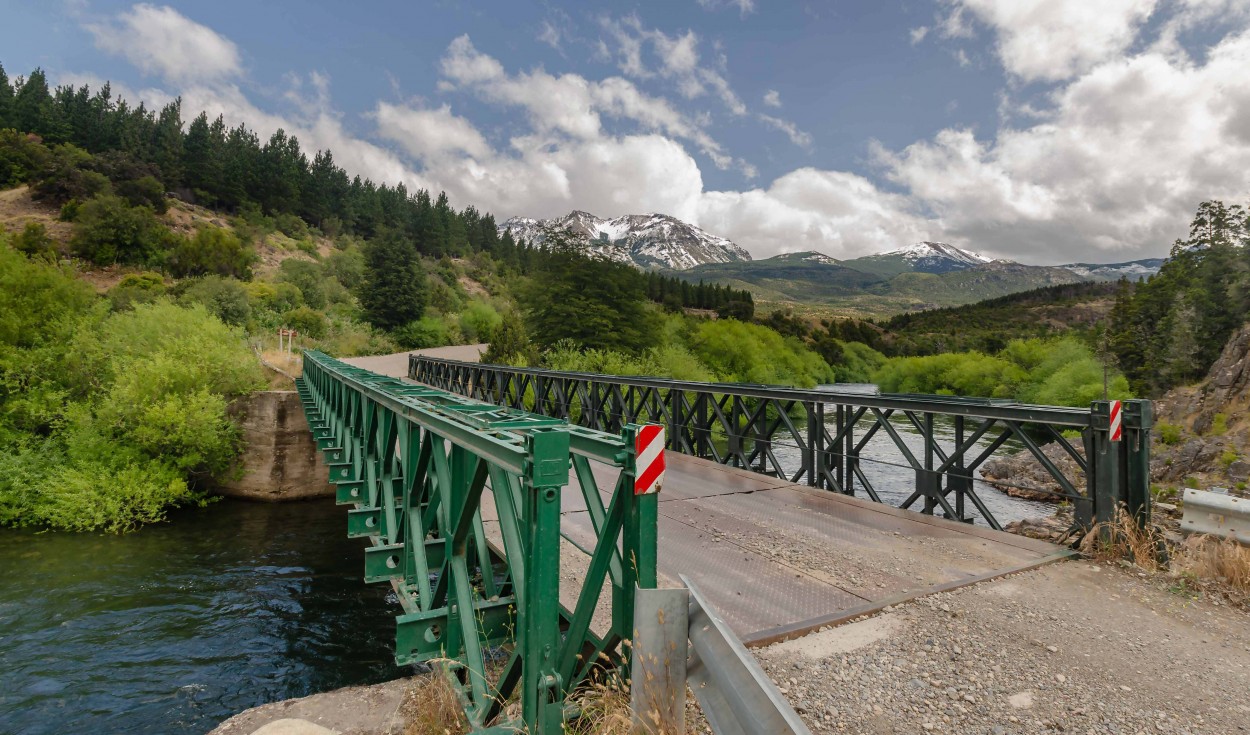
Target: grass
x,y
435,708
1198,563
1222,560
1124,538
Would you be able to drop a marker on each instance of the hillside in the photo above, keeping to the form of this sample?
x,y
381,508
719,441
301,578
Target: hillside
x,y
987,326
921,257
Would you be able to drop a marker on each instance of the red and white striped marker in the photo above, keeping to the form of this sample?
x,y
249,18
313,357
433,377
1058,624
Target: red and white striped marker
x,y
649,459
1115,421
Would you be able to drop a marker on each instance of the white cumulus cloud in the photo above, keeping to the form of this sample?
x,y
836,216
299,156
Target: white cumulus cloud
x,y
164,42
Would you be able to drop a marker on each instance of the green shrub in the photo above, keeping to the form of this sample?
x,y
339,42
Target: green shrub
x,y
1168,433
212,251
107,230
1219,425
66,176
137,288
34,242
307,322
307,277
275,297
225,298
428,331
479,321
1227,457
21,156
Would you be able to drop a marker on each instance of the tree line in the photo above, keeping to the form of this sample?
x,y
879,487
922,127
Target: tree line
x,y
1169,330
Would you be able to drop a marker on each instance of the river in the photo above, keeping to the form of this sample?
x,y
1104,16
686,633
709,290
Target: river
x,y
173,628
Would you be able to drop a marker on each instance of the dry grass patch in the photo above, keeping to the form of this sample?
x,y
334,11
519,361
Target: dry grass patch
x,y
432,708
1124,538
1221,560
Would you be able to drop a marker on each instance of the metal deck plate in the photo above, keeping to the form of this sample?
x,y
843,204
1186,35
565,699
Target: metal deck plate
x,y
778,559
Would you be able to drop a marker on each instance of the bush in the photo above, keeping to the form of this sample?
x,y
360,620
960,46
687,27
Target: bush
x,y
107,230
144,191
479,321
213,250
136,288
428,331
1219,425
34,242
307,322
225,298
1169,433
307,278
750,353
66,176
21,155
276,297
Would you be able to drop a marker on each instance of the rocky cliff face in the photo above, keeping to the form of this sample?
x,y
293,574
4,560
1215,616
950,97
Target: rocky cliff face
x,y
1204,430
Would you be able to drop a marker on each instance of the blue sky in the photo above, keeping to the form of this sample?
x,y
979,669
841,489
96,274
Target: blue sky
x,y
1039,130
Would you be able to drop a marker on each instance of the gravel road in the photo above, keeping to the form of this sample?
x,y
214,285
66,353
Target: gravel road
x,y
1071,647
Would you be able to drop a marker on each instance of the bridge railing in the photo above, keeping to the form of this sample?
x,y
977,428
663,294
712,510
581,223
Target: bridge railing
x,y
461,501
825,435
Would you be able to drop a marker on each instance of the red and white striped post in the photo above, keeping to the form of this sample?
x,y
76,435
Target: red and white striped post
x,y
649,459
1117,431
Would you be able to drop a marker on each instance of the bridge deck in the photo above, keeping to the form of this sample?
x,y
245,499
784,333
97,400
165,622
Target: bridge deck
x,y
780,559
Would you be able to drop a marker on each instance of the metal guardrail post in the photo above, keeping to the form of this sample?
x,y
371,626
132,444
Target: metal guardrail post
x,y
1106,459
1138,421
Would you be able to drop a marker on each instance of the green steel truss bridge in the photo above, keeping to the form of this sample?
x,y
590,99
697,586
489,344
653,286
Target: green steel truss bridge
x,y
499,503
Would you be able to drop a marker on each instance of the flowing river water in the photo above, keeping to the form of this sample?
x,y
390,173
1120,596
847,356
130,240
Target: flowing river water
x,y
177,626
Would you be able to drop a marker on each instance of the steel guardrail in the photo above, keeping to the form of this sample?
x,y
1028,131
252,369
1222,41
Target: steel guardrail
x,y
742,425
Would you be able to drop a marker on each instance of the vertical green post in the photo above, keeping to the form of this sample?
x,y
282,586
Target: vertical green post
x,y
1106,464
1138,420
542,693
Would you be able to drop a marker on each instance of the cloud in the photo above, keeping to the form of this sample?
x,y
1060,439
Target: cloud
x,y
918,34
161,41
429,134
772,98
744,6
675,58
797,137
1052,40
835,212
572,105
1118,161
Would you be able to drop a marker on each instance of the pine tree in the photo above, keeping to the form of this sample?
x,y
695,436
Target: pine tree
x,y
6,99
394,291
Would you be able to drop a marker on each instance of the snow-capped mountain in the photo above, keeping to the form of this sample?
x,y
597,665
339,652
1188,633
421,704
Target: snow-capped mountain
x,y
922,257
1133,269
643,240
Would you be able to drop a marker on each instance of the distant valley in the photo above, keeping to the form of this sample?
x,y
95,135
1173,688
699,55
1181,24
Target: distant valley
x,y
924,275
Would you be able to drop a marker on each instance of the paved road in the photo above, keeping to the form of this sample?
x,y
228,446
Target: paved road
x,y
396,365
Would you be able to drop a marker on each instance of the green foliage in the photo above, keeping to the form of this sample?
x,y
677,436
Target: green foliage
x,y
750,353
33,241
225,298
1170,329
108,419
596,303
394,291
20,157
1168,433
1219,425
306,321
428,331
1056,372
509,344
347,267
66,176
478,322
213,250
108,230
307,277
275,297
1227,457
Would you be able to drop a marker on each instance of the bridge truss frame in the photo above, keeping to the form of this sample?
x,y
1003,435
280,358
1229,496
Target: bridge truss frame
x,y
415,463
740,425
